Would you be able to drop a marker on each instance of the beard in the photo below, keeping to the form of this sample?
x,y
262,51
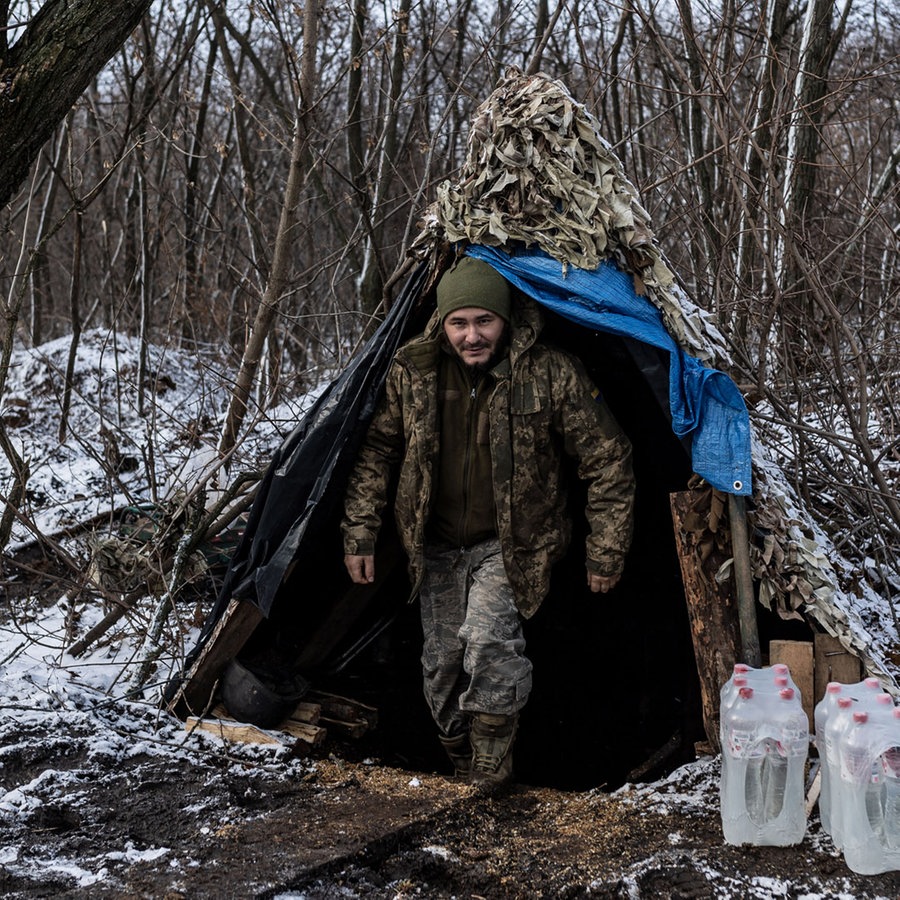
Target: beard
x,y
481,368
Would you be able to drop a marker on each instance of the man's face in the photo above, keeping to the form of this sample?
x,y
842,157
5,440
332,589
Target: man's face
x,y
475,334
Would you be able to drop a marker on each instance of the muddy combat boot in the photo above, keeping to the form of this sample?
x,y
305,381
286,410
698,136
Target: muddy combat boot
x,y
459,750
492,739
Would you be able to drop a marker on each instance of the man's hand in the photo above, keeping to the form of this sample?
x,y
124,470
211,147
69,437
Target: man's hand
x,y
361,569
600,584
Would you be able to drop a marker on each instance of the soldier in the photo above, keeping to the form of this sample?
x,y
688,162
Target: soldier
x,y
477,416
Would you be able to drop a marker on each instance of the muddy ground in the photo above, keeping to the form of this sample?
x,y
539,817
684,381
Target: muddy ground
x,y
214,821
105,798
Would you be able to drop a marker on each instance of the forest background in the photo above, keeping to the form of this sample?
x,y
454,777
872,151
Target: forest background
x,y
242,181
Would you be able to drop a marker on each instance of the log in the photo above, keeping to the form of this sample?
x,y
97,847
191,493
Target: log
x,y
353,729
236,732
711,608
344,708
295,725
314,735
310,713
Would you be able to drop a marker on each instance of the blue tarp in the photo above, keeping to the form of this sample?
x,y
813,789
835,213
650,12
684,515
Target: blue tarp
x,y
705,404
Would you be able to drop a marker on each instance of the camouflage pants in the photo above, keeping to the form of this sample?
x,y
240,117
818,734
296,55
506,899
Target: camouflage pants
x,y
473,656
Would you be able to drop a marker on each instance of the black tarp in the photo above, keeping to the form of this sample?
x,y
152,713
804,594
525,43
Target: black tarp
x,y
289,561
300,495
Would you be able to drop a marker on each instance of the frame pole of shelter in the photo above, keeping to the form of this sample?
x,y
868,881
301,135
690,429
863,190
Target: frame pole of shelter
x,y
743,579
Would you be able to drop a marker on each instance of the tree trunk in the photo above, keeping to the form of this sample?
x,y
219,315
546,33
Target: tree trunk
x,y
711,608
284,240
64,46
372,277
804,137
75,313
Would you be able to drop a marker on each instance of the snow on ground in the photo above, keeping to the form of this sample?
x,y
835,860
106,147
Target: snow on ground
x,y
123,444
67,721
120,449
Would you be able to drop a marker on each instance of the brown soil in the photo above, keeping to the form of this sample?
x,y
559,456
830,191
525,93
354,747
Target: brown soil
x,y
208,820
238,825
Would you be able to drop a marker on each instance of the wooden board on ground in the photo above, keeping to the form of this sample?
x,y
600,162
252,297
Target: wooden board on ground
x,y
229,730
224,726
834,663
798,657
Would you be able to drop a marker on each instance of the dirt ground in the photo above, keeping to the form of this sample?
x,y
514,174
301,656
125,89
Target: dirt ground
x,y
222,823
115,800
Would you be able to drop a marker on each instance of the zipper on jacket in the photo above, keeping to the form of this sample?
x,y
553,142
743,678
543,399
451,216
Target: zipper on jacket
x,y
471,419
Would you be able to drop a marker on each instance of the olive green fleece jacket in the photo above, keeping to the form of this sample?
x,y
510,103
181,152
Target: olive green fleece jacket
x,y
543,406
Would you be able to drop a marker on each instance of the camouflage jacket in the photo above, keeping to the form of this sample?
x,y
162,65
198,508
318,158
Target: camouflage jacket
x,y
543,406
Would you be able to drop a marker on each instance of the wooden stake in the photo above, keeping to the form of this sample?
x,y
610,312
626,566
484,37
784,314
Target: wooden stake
x,y
743,581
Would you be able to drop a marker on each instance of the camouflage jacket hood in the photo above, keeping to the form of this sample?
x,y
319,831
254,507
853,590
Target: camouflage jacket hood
x,y
542,407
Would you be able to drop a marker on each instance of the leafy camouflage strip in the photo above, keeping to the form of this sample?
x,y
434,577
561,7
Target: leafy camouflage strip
x,y
800,571
538,172
473,656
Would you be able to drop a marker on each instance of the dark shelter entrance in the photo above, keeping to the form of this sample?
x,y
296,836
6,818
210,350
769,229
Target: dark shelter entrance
x,y
614,675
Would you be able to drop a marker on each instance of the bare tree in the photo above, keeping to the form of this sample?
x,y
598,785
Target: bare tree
x,y
764,139
284,239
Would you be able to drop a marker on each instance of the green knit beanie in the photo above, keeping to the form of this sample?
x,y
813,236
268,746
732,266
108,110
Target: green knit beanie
x,y
472,282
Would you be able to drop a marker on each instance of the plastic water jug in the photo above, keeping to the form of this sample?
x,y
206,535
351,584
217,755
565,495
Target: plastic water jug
x,y
869,791
833,716
824,710
765,740
839,720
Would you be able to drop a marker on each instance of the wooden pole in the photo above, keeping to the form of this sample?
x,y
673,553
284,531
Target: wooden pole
x,y
743,581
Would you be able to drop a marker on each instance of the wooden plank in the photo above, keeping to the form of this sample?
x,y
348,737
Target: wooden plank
x,y
314,735
711,607
236,732
353,729
306,712
231,632
833,663
798,657
294,725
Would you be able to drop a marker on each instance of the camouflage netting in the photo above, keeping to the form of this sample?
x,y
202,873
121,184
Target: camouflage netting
x,y
539,173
